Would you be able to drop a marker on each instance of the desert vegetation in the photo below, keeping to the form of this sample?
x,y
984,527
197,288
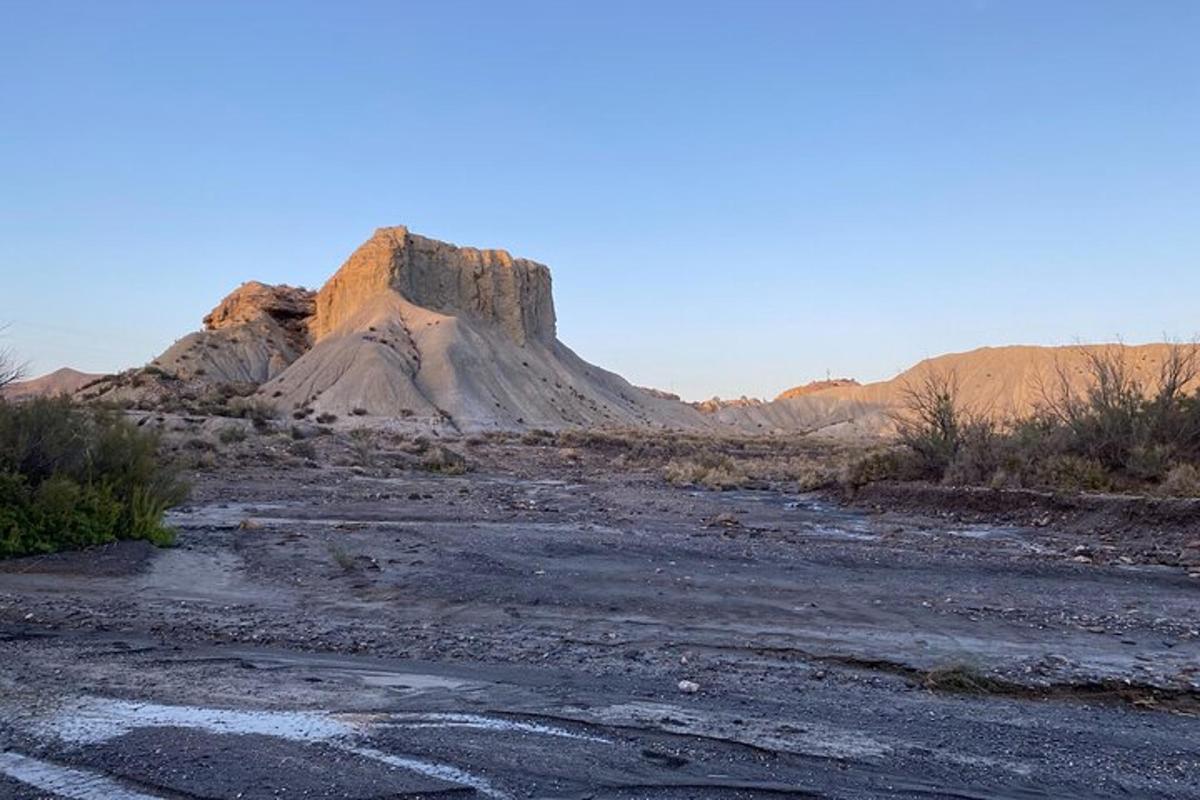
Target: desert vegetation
x,y
705,460
1119,433
72,476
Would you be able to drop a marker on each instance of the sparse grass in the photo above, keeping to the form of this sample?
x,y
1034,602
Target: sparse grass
x,y
692,459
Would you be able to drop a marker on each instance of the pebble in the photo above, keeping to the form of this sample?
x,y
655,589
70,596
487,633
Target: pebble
x,y
689,687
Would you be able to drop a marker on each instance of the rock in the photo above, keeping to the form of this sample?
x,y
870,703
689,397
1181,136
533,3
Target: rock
x,y
689,687
489,285
289,306
454,338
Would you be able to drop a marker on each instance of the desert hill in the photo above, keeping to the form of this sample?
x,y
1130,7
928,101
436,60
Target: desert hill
x,y
61,381
408,329
998,382
816,386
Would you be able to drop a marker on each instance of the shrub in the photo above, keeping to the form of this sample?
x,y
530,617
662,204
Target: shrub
x,y
1183,480
932,428
303,449
716,472
879,465
443,460
231,434
1118,431
73,477
1074,473
259,412
362,442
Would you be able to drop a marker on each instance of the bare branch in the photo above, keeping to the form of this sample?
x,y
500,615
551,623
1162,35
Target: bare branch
x,y
10,370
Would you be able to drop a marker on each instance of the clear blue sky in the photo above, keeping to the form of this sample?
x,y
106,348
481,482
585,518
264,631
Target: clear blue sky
x,y
733,197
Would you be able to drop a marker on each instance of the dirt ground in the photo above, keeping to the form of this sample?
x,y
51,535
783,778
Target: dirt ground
x,y
555,623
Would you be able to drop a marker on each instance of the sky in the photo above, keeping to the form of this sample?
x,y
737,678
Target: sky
x,y
733,197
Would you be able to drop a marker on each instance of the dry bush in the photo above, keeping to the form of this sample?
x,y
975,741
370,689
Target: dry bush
x,y
1183,480
443,460
10,370
711,472
884,464
231,434
362,444
1118,431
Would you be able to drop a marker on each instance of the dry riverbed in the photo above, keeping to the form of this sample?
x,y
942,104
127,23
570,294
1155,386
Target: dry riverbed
x,y
552,625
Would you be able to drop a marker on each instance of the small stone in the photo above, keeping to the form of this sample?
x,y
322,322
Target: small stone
x,y
689,687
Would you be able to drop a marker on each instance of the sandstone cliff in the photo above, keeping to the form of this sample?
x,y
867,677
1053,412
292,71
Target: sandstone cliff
x,y
487,286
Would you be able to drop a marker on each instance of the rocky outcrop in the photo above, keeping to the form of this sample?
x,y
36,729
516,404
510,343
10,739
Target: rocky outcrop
x,y
252,335
715,404
288,306
487,286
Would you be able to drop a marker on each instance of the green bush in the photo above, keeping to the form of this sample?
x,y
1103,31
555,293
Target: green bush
x,y
74,477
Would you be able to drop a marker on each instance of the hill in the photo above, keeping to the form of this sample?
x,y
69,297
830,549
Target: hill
x,y
998,382
61,381
409,329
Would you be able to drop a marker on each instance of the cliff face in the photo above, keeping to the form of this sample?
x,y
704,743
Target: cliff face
x,y
488,286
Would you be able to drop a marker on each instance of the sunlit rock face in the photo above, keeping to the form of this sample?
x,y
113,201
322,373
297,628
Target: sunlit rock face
x,y
488,286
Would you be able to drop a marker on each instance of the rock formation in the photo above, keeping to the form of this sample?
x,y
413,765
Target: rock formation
x,y
411,328
487,286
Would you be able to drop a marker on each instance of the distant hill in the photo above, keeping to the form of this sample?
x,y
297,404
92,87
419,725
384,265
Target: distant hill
x,y
816,386
998,382
61,381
